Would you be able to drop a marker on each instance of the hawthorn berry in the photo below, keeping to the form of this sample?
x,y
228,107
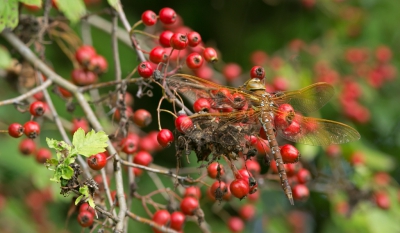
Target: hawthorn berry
x,y
210,55
189,205
143,158
157,55
292,168
97,161
83,77
253,166
27,146
15,130
289,153
130,143
280,84
142,117
86,207
177,220
64,93
202,105
37,108
128,113
31,129
300,192
149,18
235,224
165,38
239,188
84,54
192,191
165,137
39,96
215,170
382,200
98,64
258,58
194,61
179,41
257,72
183,123
85,218
79,123
114,197
145,69
194,39
231,71
219,190
161,217
42,155
167,15
303,176
247,211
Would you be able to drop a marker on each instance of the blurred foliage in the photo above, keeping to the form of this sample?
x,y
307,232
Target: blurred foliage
x,y
300,38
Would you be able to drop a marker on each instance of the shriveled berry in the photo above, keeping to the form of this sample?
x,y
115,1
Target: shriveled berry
x,y
15,130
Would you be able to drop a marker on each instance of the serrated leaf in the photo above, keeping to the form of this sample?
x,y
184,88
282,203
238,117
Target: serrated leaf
x,y
8,14
32,2
84,190
78,199
51,162
67,172
5,58
114,4
72,9
69,160
57,176
90,144
57,145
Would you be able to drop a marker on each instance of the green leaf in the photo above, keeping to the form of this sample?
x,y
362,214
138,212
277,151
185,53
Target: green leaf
x,y
91,202
78,199
51,162
69,160
72,9
114,4
8,14
57,145
90,144
5,58
67,172
32,2
57,176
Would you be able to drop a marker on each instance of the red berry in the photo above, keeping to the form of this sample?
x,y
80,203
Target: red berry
x,y
84,54
189,205
167,15
300,192
85,218
128,113
64,93
149,18
202,104
177,220
280,84
114,197
165,38
257,72
37,108
194,39
258,58
303,176
382,178
130,143
215,169
98,64
86,207
235,224
383,54
145,69
161,217
382,200
165,137
289,153
253,196
27,146
247,211
179,41
239,188
157,55
333,150
253,166
31,129
79,123
15,130
42,155
292,168
231,71
143,158
97,161
193,191
183,123
142,117
194,61
205,72
83,77
281,117
219,190
357,158
39,96
243,174
210,55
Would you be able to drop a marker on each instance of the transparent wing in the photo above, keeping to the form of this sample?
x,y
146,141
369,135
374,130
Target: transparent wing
x,y
320,132
308,99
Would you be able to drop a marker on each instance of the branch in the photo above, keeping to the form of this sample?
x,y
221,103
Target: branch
x,y
150,223
28,94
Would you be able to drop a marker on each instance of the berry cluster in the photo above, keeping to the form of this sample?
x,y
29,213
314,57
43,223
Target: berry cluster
x,y
92,65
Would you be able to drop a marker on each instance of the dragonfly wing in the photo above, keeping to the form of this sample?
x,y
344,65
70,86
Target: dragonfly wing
x,y
308,99
320,132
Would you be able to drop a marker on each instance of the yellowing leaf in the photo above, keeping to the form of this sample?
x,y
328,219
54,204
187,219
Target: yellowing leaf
x,y
90,144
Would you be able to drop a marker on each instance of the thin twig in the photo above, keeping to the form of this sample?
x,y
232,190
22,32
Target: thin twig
x,y
150,223
28,94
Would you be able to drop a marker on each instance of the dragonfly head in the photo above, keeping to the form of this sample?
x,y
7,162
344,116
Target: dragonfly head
x,y
254,84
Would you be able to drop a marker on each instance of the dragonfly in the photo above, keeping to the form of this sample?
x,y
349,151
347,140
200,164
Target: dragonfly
x,y
236,113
